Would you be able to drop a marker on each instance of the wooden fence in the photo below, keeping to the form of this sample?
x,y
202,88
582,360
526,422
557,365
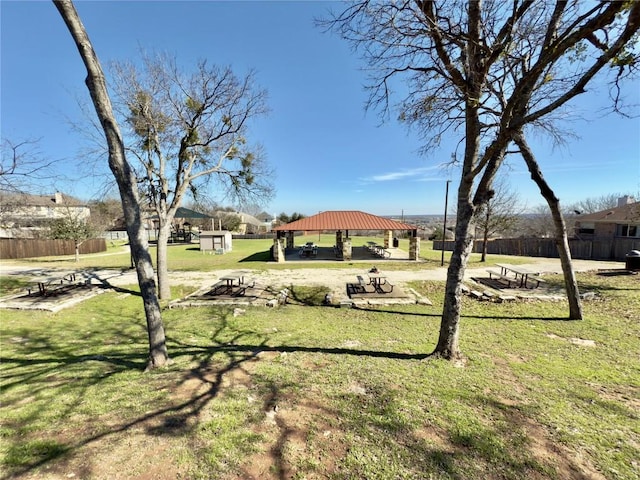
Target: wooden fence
x,y
598,249
30,247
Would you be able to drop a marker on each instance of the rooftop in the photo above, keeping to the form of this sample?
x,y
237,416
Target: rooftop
x,y
344,220
626,213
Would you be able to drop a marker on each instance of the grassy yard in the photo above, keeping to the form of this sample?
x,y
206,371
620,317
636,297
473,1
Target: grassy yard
x,y
318,392
248,254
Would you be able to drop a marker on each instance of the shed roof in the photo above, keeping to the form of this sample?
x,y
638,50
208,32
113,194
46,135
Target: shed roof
x,y
629,213
344,220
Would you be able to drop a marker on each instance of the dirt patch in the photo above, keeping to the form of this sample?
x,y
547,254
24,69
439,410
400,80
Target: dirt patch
x,y
576,341
568,464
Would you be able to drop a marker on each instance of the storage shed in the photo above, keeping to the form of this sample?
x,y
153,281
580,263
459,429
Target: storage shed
x,y
219,241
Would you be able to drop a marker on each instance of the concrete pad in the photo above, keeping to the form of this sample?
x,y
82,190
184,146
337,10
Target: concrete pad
x,y
51,303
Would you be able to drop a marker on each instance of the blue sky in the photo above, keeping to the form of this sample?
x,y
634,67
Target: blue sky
x,y
327,152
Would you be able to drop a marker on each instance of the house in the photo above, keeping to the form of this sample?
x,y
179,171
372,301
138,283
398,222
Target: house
x,y
622,221
26,216
267,220
238,222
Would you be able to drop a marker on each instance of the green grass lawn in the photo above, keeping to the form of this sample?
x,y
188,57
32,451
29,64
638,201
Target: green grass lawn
x,y
250,254
319,392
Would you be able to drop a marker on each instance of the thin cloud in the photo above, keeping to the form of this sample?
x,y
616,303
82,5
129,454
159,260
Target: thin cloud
x,y
420,174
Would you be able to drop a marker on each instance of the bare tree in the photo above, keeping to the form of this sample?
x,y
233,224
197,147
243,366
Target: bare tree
x,y
190,130
537,223
106,213
485,72
127,183
22,164
597,204
500,214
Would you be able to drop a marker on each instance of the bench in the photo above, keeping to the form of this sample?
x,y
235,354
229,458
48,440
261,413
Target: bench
x,y
221,287
537,279
500,276
361,280
381,252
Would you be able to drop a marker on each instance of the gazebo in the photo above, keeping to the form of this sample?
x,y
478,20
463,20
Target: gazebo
x,y
343,221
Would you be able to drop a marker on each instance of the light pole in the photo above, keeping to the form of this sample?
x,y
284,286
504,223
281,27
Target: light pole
x,y
444,227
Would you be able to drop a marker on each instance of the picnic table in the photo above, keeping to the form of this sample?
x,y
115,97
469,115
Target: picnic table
x,y
378,250
309,249
47,286
233,280
377,280
230,280
519,275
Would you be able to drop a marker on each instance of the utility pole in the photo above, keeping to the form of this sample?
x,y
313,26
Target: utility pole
x,y
444,227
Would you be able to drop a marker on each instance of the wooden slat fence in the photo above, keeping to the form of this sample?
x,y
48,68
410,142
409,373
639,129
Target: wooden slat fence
x,y
30,247
598,249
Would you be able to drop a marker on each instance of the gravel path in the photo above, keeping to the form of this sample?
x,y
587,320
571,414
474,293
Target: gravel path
x,y
334,279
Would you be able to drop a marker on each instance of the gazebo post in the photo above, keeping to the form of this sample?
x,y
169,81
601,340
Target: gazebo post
x,y
346,249
414,245
388,235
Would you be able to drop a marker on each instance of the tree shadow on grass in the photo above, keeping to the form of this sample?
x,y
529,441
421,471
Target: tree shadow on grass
x,y
518,318
477,317
45,364
452,446
91,274
395,312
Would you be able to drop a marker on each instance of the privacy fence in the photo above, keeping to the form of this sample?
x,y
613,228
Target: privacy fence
x,y
30,247
599,249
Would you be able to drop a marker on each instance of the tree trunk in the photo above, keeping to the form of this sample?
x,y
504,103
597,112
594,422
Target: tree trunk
x,y
485,235
162,268
77,251
448,346
127,185
562,243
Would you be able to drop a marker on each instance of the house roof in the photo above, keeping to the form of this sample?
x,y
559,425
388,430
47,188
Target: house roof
x,y
182,212
244,217
344,220
629,213
29,200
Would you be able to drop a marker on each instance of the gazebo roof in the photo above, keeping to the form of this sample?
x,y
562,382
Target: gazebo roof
x,y
344,220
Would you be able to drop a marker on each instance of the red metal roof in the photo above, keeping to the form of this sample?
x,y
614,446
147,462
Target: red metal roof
x,y
344,220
